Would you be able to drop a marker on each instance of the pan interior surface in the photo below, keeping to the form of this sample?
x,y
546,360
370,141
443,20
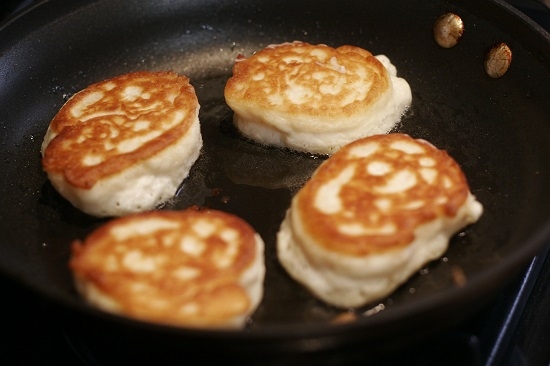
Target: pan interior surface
x,y
497,129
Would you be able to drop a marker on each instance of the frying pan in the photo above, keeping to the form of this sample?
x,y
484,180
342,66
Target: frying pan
x,y
497,129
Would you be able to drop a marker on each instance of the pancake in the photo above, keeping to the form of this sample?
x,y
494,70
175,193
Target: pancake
x,y
191,268
371,216
315,98
124,145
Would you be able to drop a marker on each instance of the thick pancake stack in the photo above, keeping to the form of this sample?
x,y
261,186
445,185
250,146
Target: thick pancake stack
x,y
124,145
371,215
315,98
194,268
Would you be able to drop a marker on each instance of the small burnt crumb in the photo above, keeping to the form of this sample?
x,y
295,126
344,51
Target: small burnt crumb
x,y
225,199
345,317
216,191
196,208
458,276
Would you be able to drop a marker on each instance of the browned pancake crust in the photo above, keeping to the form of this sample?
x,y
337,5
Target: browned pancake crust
x,y
97,128
162,295
269,72
360,198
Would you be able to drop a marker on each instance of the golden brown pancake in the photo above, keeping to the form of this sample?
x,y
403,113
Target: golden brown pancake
x,y
191,268
125,144
373,214
315,98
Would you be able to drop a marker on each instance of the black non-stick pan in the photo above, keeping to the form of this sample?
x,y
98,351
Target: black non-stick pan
x,y
498,129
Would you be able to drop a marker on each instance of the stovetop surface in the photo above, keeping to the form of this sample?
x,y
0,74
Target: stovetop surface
x,y
512,330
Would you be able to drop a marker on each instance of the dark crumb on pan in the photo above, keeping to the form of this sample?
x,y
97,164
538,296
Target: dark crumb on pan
x,y
344,317
217,192
459,278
